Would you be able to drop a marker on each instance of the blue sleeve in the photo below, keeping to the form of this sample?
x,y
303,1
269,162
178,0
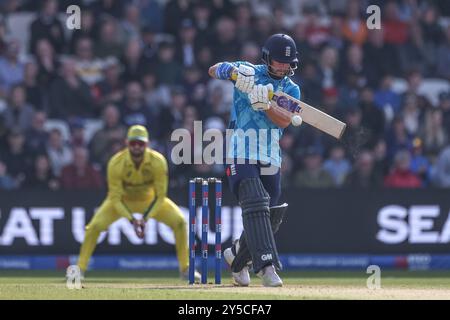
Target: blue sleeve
x,y
294,91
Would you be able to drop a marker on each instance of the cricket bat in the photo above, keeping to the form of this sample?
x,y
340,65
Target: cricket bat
x,y
314,117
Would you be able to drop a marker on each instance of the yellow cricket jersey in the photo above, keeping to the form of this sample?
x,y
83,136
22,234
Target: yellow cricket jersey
x,y
128,183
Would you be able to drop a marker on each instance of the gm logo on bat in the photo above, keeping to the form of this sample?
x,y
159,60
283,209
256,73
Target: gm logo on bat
x,y
287,104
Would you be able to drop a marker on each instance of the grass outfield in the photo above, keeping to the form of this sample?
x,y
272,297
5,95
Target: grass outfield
x,y
166,285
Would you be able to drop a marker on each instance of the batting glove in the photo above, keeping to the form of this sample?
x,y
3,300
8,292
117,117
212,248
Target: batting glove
x,y
259,97
245,79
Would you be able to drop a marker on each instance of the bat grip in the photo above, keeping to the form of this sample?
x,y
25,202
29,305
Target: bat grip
x,y
234,74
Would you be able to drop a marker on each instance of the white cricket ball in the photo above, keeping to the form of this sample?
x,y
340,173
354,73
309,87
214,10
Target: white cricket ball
x,y
296,120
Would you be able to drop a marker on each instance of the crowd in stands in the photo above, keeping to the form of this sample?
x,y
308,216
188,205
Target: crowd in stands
x,y
146,61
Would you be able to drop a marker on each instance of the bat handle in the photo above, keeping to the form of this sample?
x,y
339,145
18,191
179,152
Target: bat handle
x,y
234,74
270,95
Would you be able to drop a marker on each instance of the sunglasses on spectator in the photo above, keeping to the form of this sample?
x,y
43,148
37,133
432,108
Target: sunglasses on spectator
x,y
137,143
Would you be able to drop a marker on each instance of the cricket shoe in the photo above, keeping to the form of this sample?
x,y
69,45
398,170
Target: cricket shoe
x,y
270,277
184,275
241,278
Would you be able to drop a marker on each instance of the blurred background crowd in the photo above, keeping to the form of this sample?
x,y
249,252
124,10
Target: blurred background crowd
x,y
66,98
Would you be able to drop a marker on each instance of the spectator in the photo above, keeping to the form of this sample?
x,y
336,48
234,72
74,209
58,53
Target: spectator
x,y
109,42
311,84
221,8
17,157
19,113
330,103
263,28
298,34
397,138
395,30
442,169
380,58
156,97
174,12
354,29
41,177
380,158
317,34
414,78
354,64
108,8
363,175
195,85
36,135
11,69
420,165
152,13
243,17
187,45
130,23
287,169
336,38
250,52
111,88
413,54
224,43
47,26
401,175
349,92
80,174
432,32
103,140
89,68
77,133
387,99
47,63
33,90
168,71
134,63
444,105
6,181
173,117
372,117
133,109
69,95
205,59
411,114
433,133
337,165
59,154
3,35
149,44
443,56
313,175
328,68
356,135
87,30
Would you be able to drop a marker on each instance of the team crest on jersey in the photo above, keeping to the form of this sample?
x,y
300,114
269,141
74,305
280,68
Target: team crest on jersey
x,y
146,172
288,51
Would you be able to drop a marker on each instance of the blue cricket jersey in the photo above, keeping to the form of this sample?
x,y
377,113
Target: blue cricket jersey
x,y
259,137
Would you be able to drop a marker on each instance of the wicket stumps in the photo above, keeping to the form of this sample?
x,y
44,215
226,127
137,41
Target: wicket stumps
x,y
205,227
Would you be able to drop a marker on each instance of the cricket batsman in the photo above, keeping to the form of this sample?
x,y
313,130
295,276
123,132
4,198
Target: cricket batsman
x,y
258,193
137,183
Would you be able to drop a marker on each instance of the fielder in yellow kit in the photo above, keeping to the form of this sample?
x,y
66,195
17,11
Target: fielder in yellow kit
x,y
137,183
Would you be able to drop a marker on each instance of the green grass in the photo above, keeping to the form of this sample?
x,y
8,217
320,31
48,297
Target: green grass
x,y
167,285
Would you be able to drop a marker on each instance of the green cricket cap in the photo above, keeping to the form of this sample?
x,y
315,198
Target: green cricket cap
x,y
137,132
